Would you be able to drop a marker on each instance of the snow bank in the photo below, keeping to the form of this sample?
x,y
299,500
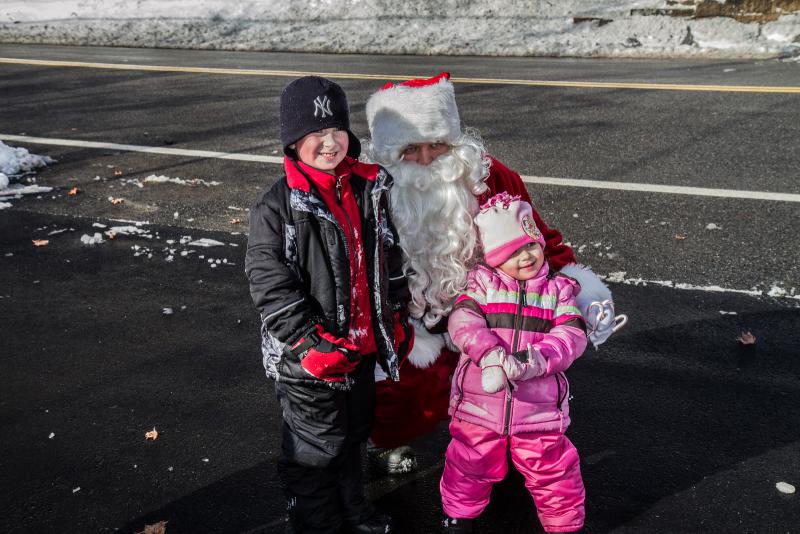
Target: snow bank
x,y
17,161
454,27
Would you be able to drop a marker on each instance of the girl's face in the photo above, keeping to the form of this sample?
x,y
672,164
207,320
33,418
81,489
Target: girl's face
x,y
525,262
323,149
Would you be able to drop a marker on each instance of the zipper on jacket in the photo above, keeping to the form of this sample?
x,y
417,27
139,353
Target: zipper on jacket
x,y
518,317
514,343
335,223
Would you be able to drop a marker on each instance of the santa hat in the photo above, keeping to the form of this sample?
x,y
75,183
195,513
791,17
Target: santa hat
x,y
505,224
415,111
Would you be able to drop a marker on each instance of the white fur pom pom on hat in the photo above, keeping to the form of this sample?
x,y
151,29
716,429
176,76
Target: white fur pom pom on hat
x,y
415,111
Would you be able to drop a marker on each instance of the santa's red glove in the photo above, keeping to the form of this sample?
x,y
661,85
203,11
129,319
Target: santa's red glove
x,y
403,336
327,357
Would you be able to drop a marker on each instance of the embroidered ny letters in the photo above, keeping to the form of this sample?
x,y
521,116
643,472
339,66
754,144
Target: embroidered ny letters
x,y
322,105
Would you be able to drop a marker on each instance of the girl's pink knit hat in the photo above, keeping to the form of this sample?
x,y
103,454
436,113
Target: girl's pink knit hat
x,y
505,224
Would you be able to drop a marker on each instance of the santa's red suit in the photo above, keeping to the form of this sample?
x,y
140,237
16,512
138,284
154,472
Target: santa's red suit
x,y
424,111
413,406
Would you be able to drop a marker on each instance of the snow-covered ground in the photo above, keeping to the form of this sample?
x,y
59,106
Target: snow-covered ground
x,y
458,27
15,164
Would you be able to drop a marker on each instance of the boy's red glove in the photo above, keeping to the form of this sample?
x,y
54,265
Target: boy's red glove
x,y
403,336
328,358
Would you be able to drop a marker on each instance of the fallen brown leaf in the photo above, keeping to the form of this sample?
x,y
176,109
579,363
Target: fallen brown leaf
x,y
40,242
236,220
746,338
74,191
151,434
680,237
116,201
155,528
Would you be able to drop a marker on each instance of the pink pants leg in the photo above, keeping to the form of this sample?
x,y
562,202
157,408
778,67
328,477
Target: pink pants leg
x,y
474,461
551,467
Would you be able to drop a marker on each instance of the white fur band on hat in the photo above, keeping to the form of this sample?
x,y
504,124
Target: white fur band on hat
x,y
415,111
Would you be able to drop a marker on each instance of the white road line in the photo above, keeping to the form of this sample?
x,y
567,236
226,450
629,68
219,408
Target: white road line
x,y
561,182
671,189
140,148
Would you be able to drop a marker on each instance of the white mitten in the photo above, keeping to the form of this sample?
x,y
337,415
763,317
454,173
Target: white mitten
x,y
601,321
493,378
595,303
517,370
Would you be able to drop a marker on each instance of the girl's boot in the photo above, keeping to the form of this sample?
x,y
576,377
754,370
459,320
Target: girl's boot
x,y
457,526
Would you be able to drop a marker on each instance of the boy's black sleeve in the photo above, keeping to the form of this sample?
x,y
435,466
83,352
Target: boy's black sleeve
x,y
277,293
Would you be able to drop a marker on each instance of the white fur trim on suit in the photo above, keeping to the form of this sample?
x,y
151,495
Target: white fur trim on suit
x,y
401,115
427,346
592,288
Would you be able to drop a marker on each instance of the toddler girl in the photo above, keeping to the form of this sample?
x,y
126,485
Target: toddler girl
x,y
518,329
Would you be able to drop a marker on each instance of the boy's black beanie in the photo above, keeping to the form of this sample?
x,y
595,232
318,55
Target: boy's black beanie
x,y
309,104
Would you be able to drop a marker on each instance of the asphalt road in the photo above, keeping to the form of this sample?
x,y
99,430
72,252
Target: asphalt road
x,y
680,429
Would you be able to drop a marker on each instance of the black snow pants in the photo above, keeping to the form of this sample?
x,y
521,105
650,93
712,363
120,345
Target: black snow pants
x,y
320,464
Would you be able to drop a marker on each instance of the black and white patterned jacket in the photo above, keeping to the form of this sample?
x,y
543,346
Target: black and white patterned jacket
x,y
299,270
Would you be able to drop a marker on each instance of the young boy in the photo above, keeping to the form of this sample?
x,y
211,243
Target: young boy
x,y
325,270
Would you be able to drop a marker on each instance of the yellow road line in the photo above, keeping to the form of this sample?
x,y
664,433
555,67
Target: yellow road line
x,y
393,77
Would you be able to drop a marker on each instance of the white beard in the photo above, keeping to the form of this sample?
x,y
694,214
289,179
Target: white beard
x,y
433,208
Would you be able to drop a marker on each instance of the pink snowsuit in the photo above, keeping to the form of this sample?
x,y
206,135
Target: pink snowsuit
x,y
531,416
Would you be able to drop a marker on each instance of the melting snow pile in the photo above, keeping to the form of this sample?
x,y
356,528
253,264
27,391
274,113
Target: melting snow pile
x,y
16,163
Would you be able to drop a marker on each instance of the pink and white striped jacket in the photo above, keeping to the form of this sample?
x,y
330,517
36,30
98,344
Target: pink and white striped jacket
x,y
497,310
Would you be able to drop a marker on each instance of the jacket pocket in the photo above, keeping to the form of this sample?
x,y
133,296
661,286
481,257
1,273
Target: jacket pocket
x,y
458,380
562,390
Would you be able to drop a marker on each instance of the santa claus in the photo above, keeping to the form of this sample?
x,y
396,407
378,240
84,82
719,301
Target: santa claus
x,y
442,174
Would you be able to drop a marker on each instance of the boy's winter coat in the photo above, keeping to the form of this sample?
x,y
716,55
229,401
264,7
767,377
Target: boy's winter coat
x,y
299,269
498,311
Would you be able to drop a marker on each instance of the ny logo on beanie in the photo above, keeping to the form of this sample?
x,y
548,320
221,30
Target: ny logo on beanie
x,y
322,105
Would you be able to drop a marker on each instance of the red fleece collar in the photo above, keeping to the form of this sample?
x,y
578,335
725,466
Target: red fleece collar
x,y
348,166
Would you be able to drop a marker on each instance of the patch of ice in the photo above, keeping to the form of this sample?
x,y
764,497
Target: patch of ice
x,y
206,242
92,240
618,276
161,179
129,230
776,291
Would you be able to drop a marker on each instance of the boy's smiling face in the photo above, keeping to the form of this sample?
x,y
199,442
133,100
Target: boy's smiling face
x,y
323,149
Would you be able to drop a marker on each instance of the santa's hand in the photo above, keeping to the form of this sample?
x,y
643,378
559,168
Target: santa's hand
x,y
534,365
493,378
601,321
